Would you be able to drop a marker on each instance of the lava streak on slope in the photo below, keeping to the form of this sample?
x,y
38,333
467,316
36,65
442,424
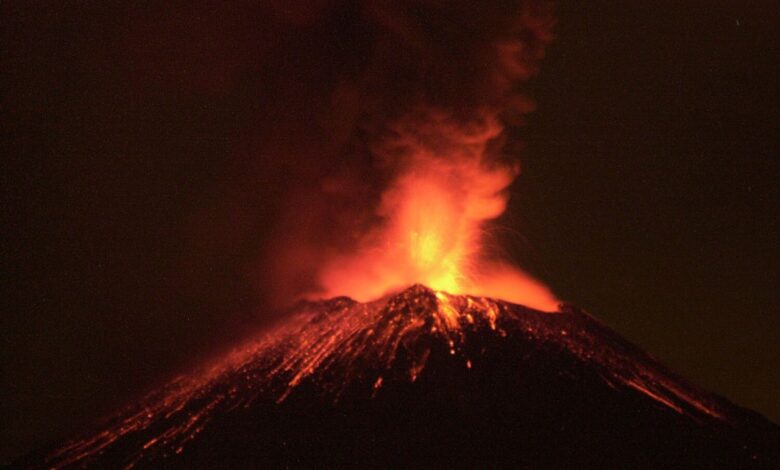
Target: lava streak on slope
x,y
424,375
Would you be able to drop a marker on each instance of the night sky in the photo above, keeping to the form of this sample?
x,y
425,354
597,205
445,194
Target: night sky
x,y
136,205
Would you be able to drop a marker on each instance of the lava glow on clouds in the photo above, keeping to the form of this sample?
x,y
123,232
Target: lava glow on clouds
x,y
434,218
433,109
389,133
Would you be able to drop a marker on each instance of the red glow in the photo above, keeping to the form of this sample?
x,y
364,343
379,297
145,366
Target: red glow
x,y
340,344
435,215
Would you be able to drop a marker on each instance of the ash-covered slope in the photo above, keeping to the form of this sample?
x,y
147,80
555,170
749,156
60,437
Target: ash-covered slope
x,y
423,379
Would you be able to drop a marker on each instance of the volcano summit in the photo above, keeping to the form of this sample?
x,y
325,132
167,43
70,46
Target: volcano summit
x,y
424,378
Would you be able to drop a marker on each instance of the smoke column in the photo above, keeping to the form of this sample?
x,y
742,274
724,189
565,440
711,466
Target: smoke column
x,y
428,133
374,130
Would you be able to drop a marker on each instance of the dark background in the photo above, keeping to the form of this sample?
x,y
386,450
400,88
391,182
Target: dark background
x,y
649,197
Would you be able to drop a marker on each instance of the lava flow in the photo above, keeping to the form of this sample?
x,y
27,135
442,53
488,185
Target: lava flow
x,y
424,367
476,364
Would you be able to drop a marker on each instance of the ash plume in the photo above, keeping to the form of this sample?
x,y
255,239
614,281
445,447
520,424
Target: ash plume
x,y
417,118
344,110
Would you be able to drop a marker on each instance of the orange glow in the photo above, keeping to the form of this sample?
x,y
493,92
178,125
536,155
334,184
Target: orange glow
x,y
435,215
359,345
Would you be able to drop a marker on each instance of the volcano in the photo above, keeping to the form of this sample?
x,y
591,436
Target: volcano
x,y
422,378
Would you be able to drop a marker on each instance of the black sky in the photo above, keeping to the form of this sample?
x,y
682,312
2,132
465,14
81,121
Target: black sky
x,y
651,184
649,195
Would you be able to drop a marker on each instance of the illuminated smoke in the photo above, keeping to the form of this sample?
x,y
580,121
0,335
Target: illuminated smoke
x,y
435,139
366,138
433,216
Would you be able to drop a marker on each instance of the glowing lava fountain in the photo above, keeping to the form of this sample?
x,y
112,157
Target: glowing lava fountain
x,y
435,217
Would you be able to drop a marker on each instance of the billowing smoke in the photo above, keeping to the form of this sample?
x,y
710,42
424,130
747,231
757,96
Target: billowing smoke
x,y
376,129
429,110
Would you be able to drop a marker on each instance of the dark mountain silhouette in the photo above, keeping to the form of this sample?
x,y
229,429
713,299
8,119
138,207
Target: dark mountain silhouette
x,y
426,379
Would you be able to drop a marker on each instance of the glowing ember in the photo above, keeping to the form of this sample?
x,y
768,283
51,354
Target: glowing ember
x,y
338,347
434,215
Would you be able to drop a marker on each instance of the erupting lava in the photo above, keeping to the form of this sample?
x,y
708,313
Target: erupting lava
x,y
477,364
434,217
421,173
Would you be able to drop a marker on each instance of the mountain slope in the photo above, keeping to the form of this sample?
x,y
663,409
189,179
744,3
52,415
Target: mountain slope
x,y
423,378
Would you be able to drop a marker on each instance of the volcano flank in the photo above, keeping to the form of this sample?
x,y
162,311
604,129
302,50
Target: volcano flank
x,y
424,378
